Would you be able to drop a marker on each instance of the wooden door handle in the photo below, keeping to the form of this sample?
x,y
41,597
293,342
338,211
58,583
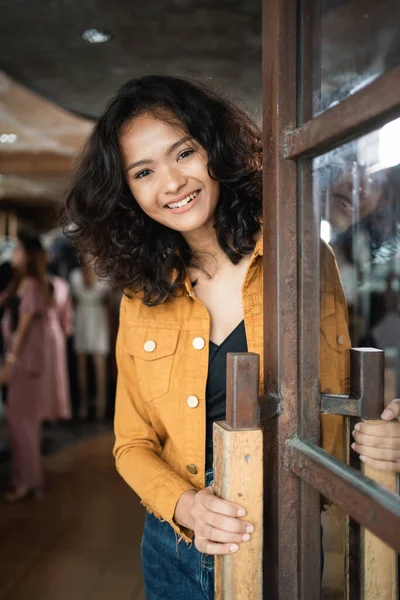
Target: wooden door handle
x,y
238,477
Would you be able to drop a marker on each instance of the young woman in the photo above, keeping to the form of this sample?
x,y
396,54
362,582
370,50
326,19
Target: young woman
x,y
168,199
36,320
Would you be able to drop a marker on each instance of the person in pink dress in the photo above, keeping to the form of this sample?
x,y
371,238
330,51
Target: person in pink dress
x,y
35,322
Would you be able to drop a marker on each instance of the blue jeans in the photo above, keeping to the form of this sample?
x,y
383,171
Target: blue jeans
x,y
174,571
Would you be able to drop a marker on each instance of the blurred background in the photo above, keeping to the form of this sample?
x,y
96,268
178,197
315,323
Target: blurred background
x,y
60,62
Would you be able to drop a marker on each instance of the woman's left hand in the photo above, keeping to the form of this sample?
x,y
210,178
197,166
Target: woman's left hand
x,y
5,373
379,444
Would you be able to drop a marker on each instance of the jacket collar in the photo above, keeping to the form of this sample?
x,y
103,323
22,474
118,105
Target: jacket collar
x,y
259,249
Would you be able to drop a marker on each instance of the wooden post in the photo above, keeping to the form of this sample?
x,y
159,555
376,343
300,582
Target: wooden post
x,y
378,564
238,477
379,561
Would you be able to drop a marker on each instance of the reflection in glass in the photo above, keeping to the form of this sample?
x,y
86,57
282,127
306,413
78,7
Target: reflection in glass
x,y
358,187
356,41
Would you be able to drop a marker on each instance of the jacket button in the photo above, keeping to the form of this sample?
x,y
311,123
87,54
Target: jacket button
x,y
340,339
192,401
192,469
150,346
198,343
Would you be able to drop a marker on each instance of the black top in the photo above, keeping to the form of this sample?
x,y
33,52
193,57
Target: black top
x,y
216,383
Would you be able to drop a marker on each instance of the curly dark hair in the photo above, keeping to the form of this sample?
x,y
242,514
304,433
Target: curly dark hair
x,y
140,255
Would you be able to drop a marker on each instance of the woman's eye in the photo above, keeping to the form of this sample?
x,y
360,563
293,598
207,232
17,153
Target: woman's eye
x,y
142,174
185,153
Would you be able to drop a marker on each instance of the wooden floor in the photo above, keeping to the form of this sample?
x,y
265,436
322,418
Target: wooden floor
x,y
82,540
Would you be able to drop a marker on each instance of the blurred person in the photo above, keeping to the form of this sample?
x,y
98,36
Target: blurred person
x,y
168,199
63,256
355,196
9,281
348,205
36,320
361,205
92,334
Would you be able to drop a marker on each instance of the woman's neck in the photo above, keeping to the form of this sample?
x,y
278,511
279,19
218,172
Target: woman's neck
x,y
206,249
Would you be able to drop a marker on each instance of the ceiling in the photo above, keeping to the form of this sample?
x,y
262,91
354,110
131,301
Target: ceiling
x,y
37,166
53,84
216,41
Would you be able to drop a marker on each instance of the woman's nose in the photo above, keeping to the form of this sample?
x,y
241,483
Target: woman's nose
x,y
174,180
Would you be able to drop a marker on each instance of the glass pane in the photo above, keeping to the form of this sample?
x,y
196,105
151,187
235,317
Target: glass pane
x,y
356,41
357,187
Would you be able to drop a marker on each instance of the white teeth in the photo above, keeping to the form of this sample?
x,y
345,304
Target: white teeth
x,y
183,202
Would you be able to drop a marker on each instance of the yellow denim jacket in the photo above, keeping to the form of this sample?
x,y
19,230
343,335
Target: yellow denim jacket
x,y
162,355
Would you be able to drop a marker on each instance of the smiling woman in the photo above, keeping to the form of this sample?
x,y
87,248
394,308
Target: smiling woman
x,y
175,188
168,200
161,142
168,197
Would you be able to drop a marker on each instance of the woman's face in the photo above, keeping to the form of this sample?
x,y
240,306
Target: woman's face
x,y
19,258
346,208
166,171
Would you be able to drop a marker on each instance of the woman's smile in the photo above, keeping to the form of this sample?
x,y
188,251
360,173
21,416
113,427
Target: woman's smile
x,y
184,203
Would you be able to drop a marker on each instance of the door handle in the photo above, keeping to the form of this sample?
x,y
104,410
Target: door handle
x,y
366,398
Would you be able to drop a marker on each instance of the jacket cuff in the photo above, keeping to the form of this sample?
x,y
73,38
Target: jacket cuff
x,y
172,489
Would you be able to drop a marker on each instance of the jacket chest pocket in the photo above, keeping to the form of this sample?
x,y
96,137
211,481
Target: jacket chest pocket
x,y
153,349
334,329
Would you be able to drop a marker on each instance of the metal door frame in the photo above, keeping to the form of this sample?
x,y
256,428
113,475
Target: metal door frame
x,y
296,470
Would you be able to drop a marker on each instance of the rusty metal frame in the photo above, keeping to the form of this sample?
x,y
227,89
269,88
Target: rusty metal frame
x,y
359,114
308,225
281,486
364,500
296,470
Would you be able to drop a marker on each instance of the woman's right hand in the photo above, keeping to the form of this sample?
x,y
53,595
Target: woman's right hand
x,y
217,524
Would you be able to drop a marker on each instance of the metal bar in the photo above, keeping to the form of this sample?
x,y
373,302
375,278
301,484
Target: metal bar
x,y
309,389
308,219
242,383
366,110
340,404
281,489
365,501
309,63
366,397
367,380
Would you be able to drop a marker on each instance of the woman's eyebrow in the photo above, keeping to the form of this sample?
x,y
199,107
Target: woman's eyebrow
x,y
144,161
179,143
147,161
